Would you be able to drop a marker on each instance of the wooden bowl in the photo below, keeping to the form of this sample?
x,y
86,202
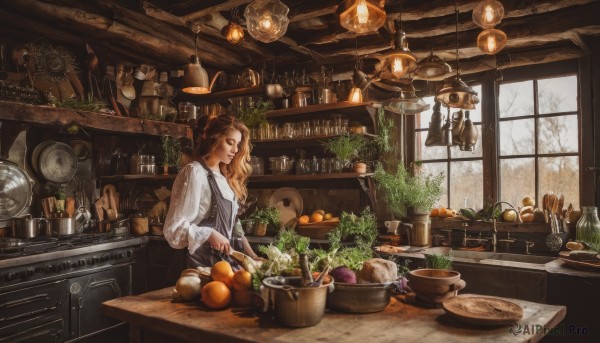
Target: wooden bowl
x,y
435,284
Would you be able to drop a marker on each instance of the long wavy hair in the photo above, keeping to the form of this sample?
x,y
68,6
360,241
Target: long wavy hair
x,y
212,130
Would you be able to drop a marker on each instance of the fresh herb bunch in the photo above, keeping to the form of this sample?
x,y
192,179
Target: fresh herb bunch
x,y
364,230
171,150
384,126
254,117
290,240
346,147
438,261
402,190
87,104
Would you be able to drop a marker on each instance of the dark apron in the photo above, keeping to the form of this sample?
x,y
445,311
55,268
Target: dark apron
x,y
220,219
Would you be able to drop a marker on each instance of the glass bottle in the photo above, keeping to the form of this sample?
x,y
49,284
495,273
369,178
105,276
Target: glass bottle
x,y
588,227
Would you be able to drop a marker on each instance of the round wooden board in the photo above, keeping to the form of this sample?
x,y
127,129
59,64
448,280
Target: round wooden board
x,y
482,310
564,256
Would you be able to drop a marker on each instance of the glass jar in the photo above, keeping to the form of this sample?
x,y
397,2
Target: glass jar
x,y
143,165
588,227
151,166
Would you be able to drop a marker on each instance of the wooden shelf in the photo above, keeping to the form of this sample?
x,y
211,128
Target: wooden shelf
x,y
364,112
51,116
307,177
298,142
136,177
269,91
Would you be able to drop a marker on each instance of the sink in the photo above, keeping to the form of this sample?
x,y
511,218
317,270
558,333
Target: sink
x,y
481,256
495,273
490,257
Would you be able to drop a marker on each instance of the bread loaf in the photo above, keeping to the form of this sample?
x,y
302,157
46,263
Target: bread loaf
x,y
378,270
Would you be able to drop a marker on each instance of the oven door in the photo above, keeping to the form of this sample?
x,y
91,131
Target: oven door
x,y
88,292
35,314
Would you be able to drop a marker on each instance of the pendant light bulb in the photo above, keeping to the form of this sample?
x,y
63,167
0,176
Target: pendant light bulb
x,y
361,16
233,32
266,22
398,68
362,12
488,13
491,41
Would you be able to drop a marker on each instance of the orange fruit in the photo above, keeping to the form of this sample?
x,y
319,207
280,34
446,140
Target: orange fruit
x,y
242,280
316,217
216,295
443,211
327,216
243,298
304,219
221,271
435,212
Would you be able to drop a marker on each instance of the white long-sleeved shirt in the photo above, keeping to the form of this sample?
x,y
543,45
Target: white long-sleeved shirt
x,y
190,203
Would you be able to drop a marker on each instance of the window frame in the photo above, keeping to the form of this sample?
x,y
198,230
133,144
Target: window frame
x,y
489,138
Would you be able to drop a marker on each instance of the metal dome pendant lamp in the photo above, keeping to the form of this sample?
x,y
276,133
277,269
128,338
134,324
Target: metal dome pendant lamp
x,y
195,78
362,16
455,92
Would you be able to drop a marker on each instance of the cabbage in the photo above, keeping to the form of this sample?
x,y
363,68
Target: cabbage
x,y
343,274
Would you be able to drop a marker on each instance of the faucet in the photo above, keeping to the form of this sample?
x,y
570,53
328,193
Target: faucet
x,y
495,230
466,239
507,241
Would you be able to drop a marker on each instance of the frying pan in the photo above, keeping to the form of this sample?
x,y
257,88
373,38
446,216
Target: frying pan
x,y
58,163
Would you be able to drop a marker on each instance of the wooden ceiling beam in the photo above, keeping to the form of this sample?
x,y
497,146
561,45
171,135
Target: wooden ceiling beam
x,y
418,10
171,50
224,6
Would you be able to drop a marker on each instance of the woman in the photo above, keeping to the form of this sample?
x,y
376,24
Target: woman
x,y
205,195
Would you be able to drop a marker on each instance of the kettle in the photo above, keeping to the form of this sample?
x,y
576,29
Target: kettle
x,y
250,77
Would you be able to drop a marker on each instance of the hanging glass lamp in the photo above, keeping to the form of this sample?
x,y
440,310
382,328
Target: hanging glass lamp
x,y
355,95
491,41
488,13
361,16
408,102
401,60
266,20
233,32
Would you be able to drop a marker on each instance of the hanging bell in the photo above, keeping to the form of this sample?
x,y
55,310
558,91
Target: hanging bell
x,y
447,133
434,134
457,126
469,134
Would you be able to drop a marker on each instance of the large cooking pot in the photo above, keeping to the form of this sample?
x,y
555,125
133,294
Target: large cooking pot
x,y
15,190
27,227
64,226
359,297
295,305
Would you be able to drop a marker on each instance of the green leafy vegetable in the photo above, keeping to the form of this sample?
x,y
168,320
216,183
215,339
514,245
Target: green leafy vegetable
x,y
438,261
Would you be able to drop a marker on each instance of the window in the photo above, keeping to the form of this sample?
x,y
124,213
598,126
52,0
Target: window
x,y
532,145
463,169
538,139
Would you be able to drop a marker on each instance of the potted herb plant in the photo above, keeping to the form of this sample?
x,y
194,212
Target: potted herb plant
x,y
256,117
346,148
171,152
266,221
417,194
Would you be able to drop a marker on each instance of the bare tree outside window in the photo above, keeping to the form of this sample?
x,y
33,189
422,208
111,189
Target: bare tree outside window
x,y
543,139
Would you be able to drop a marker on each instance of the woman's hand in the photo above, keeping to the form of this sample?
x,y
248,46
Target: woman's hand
x,y
219,242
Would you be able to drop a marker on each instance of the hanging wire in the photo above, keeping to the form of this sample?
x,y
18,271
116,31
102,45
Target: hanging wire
x,y
457,59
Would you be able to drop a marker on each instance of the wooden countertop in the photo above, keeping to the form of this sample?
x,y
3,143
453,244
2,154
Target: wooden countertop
x,y
398,322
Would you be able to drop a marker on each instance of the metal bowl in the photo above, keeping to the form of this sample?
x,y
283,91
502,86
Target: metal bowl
x,y
359,297
15,190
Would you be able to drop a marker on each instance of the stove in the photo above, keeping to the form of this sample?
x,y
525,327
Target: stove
x,y
54,286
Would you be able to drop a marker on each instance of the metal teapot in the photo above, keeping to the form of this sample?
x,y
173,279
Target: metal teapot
x,y
250,77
